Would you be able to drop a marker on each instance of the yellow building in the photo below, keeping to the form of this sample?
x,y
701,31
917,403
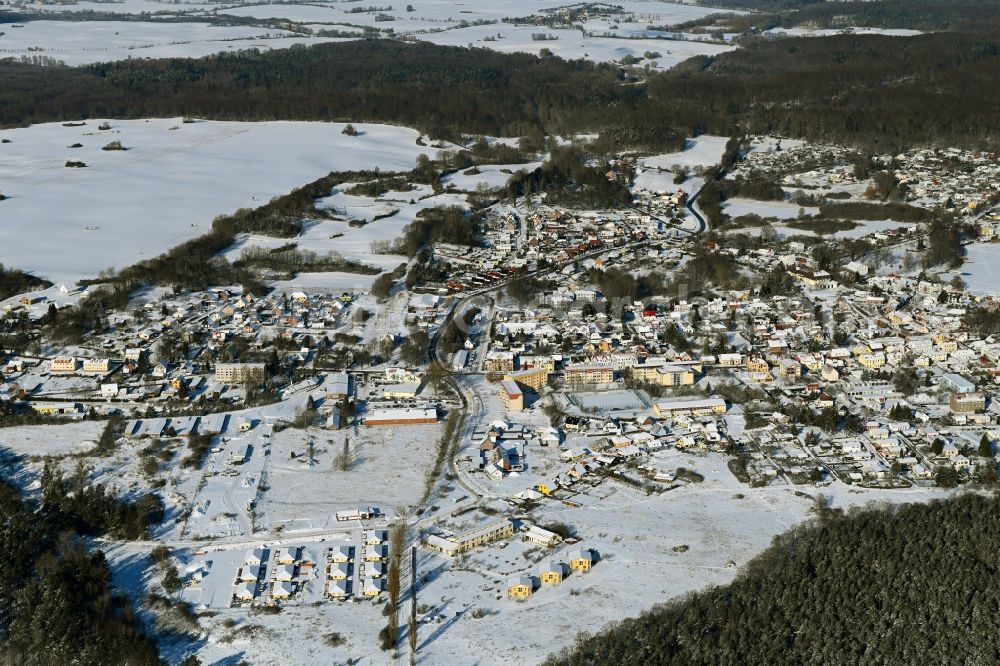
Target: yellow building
x,y
534,378
760,377
967,403
375,553
583,561
500,361
730,360
521,588
813,362
872,361
57,408
97,365
339,571
583,374
240,372
511,396
757,364
282,590
553,574
460,543
667,374
62,365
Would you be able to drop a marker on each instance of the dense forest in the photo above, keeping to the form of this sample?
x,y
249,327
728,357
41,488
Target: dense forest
x,y
441,90
57,605
880,93
911,584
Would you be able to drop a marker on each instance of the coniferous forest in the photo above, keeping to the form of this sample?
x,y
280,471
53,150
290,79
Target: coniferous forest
x,y
57,605
906,584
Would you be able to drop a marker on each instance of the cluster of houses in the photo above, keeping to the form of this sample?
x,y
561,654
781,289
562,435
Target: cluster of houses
x,y
205,346
517,241
289,569
960,180
345,569
551,573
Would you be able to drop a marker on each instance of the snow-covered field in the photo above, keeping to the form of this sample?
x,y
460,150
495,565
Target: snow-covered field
x,y
51,440
169,7
70,223
443,14
783,210
572,45
323,236
863,228
480,24
84,42
492,176
977,272
702,151
388,469
826,32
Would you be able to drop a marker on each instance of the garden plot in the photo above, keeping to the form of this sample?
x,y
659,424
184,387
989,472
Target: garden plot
x,y
169,184
224,503
85,42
